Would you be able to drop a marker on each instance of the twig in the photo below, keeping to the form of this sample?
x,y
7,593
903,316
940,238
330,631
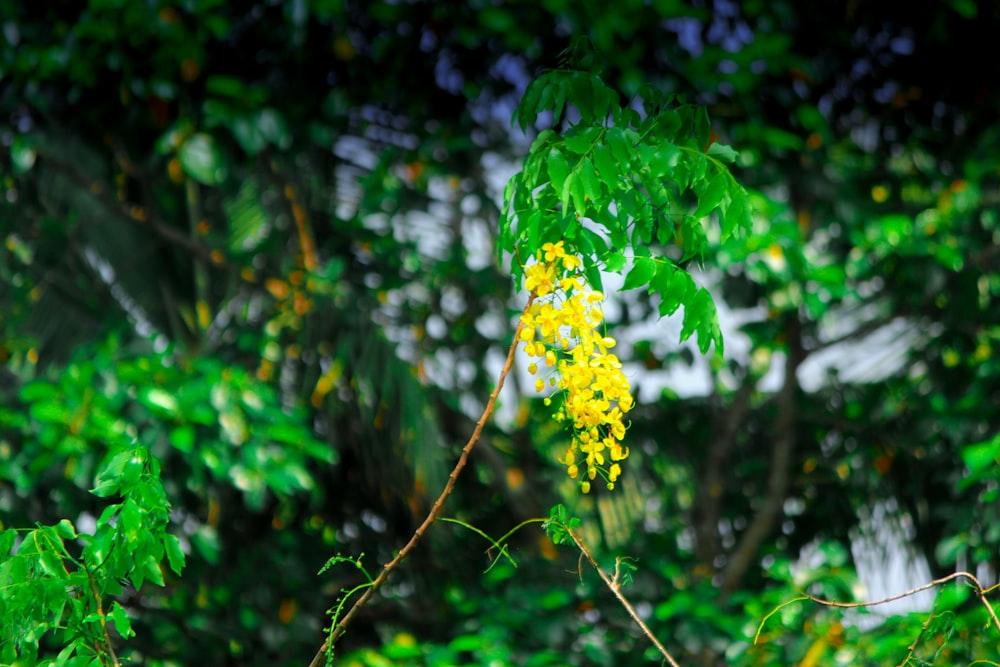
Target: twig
x,y
616,591
980,593
438,505
103,619
917,640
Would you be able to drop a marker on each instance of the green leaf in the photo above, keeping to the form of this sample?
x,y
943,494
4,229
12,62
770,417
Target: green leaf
x,y
664,159
982,459
700,315
175,555
643,269
697,165
737,217
593,275
543,138
614,262
206,540
106,487
777,138
182,438
466,643
606,166
131,521
527,110
22,154
723,152
591,183
120,618
558,169
559,101
710,198
66,530
151,569
582,143
162,401
674,289
577,190
596,243
605,99
202,160
620,146
37,390
566,194
581,95
51,563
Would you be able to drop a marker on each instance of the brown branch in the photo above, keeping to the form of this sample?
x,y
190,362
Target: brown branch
x,y
708,505
770,510
103,618
981,592
436,508
615,589
146,220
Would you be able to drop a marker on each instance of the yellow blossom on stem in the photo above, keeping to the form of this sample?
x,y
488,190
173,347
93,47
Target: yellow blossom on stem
x,y
562,326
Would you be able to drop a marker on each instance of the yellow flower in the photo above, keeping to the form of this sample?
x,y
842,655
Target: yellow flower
x,y
553,251
596,393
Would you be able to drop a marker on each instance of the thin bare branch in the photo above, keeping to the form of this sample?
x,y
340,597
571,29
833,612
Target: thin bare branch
x,y
438,505
615,589
981,592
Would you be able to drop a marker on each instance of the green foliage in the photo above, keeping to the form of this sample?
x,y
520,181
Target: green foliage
x,y
559,524
615,186
56,580
247,250
109,430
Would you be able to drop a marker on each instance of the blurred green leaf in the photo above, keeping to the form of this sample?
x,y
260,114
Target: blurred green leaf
x,y
202,160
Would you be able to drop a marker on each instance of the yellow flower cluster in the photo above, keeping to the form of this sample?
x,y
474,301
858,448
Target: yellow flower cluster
x,y
561,327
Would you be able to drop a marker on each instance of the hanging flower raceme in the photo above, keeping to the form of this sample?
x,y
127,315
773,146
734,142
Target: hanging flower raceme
x,y
561,327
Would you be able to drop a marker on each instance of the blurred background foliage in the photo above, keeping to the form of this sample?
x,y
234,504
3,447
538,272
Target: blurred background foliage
x,y
258,239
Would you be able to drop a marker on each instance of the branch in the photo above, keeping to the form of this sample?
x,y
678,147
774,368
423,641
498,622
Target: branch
x,y
765,519
863,330
109,646
981,592
140,217
708,505
436,508
613,586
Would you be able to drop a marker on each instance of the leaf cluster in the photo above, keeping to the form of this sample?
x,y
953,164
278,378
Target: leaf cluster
x,y
633,181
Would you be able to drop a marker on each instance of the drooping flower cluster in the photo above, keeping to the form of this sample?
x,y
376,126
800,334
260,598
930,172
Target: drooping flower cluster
x,y
561,327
